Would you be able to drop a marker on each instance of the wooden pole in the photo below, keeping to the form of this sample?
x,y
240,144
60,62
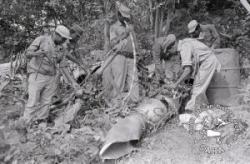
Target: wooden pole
x,y
132,37
246,5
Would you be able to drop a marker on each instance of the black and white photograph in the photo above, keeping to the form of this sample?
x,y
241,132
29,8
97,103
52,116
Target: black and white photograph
x,y
124,81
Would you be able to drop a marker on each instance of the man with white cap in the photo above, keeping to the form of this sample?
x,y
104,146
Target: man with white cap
x,y
198,62
160,51
205,33
119,75
42,69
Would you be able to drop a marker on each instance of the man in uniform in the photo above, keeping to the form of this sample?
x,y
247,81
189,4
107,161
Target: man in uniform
x,y
205,33
120,75
42,70
199,62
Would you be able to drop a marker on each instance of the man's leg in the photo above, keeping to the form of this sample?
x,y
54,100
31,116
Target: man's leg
x,y
46,96
35,85
119,71
107,83
201,83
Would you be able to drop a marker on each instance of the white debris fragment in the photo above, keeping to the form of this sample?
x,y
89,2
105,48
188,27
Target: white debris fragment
x,y
185,118
211,133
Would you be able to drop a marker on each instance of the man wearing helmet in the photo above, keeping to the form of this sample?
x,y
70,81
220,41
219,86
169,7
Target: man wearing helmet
x,y
42,82
205,33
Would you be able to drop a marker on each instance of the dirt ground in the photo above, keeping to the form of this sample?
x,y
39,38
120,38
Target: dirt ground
x,y
175,145
171,145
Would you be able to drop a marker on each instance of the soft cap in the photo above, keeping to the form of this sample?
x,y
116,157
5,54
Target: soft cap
x,y
63,31
192,26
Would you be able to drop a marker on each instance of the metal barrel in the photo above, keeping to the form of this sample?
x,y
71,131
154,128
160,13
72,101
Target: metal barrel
x,y
225,84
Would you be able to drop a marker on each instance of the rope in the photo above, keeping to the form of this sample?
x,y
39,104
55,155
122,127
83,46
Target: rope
x,y
134,67
235,68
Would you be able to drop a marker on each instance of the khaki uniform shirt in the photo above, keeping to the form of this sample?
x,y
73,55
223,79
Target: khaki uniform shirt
x,y
44,65
117,30
193,53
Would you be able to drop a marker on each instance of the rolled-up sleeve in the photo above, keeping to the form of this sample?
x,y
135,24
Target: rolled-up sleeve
x,y
186,54
35,45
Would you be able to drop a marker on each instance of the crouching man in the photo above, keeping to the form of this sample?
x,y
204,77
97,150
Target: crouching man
x,y
199,62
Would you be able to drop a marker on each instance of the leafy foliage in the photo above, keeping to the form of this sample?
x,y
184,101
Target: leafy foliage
x,y
22,21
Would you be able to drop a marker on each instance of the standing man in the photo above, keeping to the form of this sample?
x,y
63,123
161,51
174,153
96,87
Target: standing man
x,y
42,70
121,74
160,49
205,33
71,54
199,62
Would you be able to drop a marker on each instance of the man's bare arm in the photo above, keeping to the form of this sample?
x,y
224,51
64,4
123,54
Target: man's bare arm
x,y
187,71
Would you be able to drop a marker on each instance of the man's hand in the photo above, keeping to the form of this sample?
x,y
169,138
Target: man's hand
x,y
98,72
129,28
76,86
84,69
97,76
159,71
162,75
173,86
59,59
212,47
42,53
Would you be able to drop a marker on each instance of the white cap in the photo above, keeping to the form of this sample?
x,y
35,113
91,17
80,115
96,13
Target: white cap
x,y
63,31
125,11
192,26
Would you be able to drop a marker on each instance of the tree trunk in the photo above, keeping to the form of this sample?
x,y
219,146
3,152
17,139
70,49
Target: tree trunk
x,y
169,19
107,7
170,16
106,36
157,22
82,10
